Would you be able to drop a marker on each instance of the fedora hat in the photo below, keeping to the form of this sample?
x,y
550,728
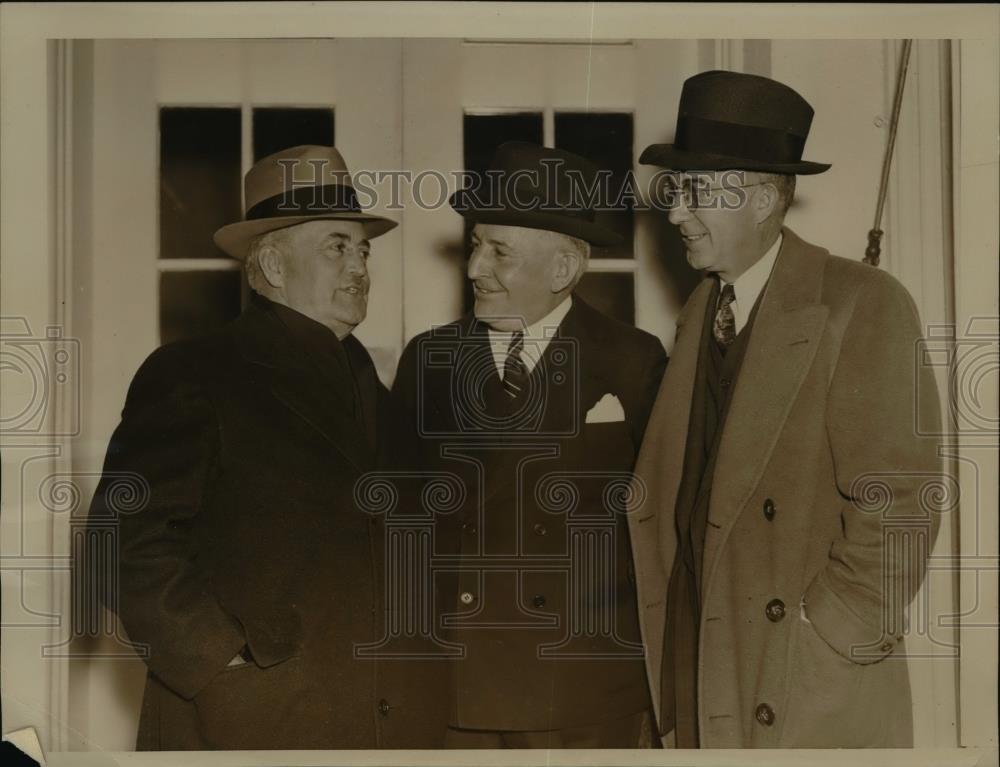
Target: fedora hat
x,y
538,188
735,121
303,183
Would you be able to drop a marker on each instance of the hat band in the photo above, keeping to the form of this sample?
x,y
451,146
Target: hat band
x,y
307,201
523,199
748,142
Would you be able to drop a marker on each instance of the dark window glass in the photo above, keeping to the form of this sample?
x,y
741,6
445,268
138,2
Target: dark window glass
x,y
482,134
612,293
199,178
277,128
192,303
604,138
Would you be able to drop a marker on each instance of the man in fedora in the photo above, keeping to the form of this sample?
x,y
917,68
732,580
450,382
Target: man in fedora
x,y
538,403
249,575
772,586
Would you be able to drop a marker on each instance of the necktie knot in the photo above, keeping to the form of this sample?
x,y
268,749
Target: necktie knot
x,y
724,329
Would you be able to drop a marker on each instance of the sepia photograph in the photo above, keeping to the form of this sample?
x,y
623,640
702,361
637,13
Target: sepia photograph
x,y
585,383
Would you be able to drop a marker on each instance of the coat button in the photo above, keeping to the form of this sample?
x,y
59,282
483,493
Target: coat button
x,y
775,610
538,600
724,383
540,529
467,598
383,707
769,509
764,714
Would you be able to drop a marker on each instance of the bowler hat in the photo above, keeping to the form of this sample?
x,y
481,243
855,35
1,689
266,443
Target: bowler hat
x,y
303,183
735,121
539,188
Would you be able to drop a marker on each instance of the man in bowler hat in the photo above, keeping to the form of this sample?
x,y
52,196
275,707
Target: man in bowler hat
x,y
249,575
772,592
538,402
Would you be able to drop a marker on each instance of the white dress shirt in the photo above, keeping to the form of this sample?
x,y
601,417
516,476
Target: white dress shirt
x,y
536,338
748,286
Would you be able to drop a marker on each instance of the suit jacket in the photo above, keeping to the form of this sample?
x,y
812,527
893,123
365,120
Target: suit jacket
x,y
535,581
248,534
817,497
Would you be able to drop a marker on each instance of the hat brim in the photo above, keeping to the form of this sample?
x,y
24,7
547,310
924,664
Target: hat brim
x,y
234,239
595,234
668,156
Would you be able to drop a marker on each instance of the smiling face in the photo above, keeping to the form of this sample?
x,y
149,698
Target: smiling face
x,y
721,230
323,273
519,275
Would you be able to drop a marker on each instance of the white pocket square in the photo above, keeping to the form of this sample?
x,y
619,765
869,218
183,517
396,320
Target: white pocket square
x,y
607,410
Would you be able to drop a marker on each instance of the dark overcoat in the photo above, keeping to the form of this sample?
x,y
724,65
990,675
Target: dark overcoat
x,y
533,567
250,534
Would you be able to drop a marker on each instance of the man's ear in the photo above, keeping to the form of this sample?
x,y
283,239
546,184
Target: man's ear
x,y
569,262
272,266
765,202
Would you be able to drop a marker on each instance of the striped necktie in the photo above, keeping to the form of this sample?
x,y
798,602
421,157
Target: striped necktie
x,y
725,321
515,375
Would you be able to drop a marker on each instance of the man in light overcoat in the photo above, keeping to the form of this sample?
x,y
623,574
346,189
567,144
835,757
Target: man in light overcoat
x,y
783,533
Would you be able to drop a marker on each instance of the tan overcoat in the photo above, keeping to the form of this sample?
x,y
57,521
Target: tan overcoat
x,y
820,498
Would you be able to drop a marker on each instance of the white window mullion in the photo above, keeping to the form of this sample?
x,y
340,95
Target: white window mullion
x,y
198,265
612,265
549,127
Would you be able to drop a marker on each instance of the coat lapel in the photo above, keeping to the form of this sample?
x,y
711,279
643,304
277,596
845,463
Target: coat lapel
x,y
661,460
299,388
782,346
324,413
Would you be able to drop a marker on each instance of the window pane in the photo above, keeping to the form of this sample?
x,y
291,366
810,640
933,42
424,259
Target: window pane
x,y
482,134
277,128
604,138
610,292
199,178
192,303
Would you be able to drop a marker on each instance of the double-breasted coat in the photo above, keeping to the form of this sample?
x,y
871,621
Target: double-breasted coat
x,y
534,572
246,460
819,502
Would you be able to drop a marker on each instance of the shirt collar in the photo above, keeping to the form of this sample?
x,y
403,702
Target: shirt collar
x,y
540,333
749,285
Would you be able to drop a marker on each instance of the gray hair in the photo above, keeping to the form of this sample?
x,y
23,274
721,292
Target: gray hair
x,y
582,248
785,184
279,239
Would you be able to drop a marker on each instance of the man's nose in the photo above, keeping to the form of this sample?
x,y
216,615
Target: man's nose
x,y
477,265
679,213
356,265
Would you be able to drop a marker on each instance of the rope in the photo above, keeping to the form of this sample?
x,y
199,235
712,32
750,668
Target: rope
x,y
874,249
